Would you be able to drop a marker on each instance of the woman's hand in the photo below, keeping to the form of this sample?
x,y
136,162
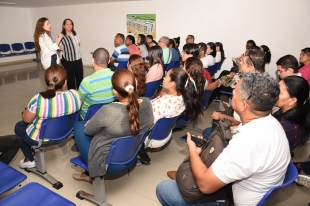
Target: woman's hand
x,y
216,115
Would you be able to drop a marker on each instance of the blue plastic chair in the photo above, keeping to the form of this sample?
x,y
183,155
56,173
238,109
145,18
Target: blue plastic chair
x,y
121,156
9,177
162,130
151,89
172,65
204,104
121,65
57,129
92,109
165,66
290,176
211,70
18,48
35,194
30,49
5,50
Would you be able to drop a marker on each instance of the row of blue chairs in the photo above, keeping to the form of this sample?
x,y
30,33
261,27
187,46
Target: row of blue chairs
x,y
33,193
17,49
213,69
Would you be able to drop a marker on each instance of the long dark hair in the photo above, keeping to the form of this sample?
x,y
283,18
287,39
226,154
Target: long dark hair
x,y
63,31
267,52
191,48
194,68
177,42
143,41
120,79
156,56
186,88
213,47
298,87
219,44
137,67
55,77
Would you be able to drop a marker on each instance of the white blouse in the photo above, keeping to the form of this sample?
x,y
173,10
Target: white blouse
x,y
48,48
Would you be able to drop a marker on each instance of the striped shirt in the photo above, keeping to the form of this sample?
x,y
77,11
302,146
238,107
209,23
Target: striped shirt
x,y
64,103
71,47
120,54
96,89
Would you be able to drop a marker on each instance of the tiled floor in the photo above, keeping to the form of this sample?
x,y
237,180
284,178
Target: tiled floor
x,y
135,189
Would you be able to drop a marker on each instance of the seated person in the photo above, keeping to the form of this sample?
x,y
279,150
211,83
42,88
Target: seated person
x,y
131,45
294,113
97,88
287,66
202,54
304,61
121,52
129,116
9,146
175,54
220,55
164,44
179,96
255,160
156,64
267,53
136,66
143,45
56,101
211,53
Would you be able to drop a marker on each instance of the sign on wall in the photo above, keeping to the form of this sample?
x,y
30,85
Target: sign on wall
x,y
141,24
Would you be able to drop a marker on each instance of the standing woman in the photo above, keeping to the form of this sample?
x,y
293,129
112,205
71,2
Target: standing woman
x,y
71,55
44,43
143,45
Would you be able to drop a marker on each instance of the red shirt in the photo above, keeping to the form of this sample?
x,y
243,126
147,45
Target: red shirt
x,y
133,49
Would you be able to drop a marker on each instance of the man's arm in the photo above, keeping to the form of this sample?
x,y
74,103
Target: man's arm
x,y
84,89
207,181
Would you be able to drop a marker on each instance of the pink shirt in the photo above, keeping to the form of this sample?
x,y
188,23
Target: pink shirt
x,y
133,49
156,72
305,72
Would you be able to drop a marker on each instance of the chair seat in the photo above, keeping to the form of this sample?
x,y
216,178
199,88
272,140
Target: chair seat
x,y
79,162
9,177
35,194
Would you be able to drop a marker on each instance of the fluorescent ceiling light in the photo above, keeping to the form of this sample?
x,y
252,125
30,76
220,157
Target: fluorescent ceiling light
x,y
7,3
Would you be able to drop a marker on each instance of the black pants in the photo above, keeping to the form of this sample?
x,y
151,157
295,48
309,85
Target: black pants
x,y
9,146
74,72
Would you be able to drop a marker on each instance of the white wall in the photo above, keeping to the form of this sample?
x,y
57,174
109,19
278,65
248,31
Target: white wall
x,y
15,27
283,25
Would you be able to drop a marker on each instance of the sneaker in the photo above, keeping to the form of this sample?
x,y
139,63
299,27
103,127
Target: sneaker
x,y
23,164
303,180
138,163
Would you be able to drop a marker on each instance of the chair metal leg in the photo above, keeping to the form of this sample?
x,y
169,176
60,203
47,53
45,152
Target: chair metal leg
x,y
40,169
99,197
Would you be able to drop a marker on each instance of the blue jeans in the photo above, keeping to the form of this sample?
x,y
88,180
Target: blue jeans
x,y
20,130
169,194
81,139
207,133
54,59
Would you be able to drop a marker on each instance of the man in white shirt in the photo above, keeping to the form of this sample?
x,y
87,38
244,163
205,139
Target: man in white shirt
x,y
256,158
287,66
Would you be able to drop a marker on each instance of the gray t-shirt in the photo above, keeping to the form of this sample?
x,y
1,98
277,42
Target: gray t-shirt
x,y
109,123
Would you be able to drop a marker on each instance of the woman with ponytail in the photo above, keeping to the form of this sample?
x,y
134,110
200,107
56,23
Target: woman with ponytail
x,y
56,101
129,116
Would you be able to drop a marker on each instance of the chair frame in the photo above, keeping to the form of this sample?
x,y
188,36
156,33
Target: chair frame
x,y
40,168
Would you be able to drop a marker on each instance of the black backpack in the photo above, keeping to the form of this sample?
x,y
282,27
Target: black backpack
x,y
185,179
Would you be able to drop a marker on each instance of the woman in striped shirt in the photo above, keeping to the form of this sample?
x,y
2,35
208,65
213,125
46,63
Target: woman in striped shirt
x,y
71,56
54,102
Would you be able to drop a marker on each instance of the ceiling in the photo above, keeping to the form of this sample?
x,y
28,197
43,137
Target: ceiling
x,y
49,3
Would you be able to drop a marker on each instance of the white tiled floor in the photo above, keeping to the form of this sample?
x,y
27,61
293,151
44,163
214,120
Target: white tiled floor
x,y
135,189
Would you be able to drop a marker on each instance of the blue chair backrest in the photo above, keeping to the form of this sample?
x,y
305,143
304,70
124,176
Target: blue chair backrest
x,y
162,128
29,45
207,94
165,66
123,152
18,48
172,65
290,176
92,109
121,65
211,69
151,89
58,128
5,48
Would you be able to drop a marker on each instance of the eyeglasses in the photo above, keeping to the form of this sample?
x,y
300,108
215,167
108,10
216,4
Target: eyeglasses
x,y
247,54
252,85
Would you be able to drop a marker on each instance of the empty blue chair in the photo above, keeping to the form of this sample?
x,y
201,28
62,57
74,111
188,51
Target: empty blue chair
x,y
172,65
206,95
290,176
162,130
9,177
30,49
151,89
18,48
35,194
57,129
5,50
211,70
92,109
122,155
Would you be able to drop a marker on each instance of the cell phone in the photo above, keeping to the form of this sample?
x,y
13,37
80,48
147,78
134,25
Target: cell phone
x,y
198,142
